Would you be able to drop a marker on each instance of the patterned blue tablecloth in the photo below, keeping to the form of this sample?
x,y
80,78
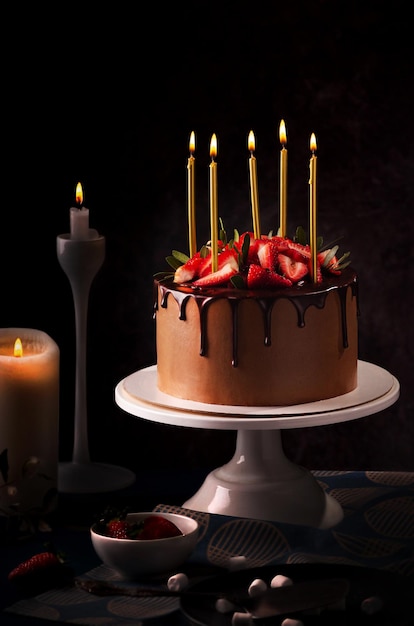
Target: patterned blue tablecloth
x,y
377,531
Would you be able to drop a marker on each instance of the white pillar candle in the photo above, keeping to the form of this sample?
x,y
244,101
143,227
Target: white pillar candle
x,y
79,217
29,422
79,223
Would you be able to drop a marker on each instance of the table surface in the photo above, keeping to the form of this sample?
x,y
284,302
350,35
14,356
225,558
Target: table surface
x,y
377,531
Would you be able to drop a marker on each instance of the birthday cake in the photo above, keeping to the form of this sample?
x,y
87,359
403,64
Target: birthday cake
x,y
271,325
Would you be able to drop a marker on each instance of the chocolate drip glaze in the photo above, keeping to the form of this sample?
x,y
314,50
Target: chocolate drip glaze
x,y
342,301
267,307
203,305
301,298
234,309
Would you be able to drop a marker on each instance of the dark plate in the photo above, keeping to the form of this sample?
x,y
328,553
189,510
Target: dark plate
x,y
396,593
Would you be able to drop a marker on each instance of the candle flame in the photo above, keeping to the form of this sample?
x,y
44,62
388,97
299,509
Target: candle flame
x,y
213,146
282,132
313,142
192,142
79,194
18,348
251,142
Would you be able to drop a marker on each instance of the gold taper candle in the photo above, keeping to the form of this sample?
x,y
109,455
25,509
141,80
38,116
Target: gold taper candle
x,y
213,204
312,210
192,238
283,180
253,186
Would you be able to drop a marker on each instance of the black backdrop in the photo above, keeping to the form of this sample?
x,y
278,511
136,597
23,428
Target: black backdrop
x,y
109,99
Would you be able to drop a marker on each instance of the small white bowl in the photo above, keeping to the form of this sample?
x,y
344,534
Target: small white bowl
x,y
133,558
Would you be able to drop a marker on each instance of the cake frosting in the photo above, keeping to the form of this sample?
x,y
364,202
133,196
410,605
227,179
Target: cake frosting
x,y
259,330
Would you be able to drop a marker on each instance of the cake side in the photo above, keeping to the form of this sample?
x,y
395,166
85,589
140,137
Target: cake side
x,y
258,347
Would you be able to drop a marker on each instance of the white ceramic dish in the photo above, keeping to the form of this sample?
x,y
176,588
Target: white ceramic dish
x,y
133,558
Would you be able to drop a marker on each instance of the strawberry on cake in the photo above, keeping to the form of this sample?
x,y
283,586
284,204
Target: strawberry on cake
x,y
258,331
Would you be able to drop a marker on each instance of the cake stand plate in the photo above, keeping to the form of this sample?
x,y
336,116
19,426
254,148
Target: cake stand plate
x,y
259,482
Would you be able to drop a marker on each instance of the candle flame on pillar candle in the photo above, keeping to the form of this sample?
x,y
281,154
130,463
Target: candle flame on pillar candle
x,y
312,209
213,204
192,239
18,348
283,180
79,194
253,186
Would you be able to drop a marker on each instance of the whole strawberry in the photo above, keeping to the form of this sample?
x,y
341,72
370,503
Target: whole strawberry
x,y
41,571
158,527
37,563
118,528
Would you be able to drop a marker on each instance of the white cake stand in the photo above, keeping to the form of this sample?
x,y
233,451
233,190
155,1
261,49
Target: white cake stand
x,y
259,482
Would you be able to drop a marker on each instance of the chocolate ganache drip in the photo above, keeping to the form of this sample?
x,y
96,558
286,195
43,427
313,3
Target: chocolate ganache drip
x,y
301,298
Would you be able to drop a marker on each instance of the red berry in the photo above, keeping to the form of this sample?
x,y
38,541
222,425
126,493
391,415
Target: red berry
x,y
221,277
259,277
254,246
297,251
332,264
268,254
190,270
294,270
118,528
223,258
158,527
41,561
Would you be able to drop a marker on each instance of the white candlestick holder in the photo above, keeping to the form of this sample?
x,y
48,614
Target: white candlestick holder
x,y
81,260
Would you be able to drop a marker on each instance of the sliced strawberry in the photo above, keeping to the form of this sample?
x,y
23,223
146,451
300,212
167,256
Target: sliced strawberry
x,y
296,251
158,527
292,269
281,241
268,253
243,236
229,255
190,270
221,277
254,247
259,277
328,262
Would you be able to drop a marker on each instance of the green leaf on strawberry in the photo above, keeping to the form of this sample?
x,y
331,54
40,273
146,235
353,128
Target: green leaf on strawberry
x,y
173,261
238,281
300,236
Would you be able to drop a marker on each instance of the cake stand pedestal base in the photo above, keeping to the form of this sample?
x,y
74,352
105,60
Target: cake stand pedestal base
x,y
93,477
260,482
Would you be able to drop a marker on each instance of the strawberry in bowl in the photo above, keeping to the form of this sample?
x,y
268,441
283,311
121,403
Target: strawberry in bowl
x,y
144,543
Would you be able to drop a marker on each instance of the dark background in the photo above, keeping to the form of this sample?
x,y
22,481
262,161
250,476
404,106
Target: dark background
x,y
110,97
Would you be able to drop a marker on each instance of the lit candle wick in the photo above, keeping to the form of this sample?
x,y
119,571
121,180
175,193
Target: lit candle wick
x,y
253,186
312,210
213,204
192,241
283,180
